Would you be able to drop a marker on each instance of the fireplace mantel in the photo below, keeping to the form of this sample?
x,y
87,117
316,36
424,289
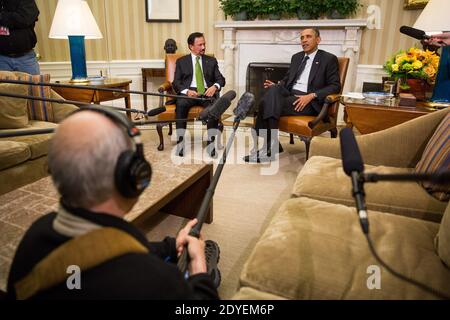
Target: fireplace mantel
x,y
264,24
277,40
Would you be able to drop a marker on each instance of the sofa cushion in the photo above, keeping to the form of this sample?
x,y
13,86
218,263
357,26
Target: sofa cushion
x,y
37,110
13,111
435,158
322,178
13,153
443,238
316,250
37,143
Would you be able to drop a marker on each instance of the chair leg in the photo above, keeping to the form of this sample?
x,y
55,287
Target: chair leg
x,y
307,141
333,133
170,129
159,127
291,138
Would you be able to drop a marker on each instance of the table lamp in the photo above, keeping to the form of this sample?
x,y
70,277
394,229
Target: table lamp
x,y
74,20
435,19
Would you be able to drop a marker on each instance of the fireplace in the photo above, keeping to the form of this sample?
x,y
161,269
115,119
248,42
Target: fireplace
x,y
257,73
268,41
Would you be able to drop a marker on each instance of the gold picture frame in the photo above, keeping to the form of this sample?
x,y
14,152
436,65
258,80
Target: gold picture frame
x,y
415,4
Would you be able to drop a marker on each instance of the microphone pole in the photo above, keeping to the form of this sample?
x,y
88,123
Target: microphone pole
x,y
184,259
437,177
81,87
150,113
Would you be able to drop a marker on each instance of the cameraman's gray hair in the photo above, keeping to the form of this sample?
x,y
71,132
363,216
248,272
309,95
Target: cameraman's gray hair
x,y
84,173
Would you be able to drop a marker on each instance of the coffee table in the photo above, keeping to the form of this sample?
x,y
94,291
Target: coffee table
x,y
174,189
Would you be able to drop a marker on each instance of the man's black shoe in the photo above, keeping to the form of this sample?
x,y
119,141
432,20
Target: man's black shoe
x,y
180,148
210,148
260,156
212,254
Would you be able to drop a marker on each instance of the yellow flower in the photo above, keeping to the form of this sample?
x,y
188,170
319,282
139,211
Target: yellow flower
x,y
417,64
401,58
413,63
430,71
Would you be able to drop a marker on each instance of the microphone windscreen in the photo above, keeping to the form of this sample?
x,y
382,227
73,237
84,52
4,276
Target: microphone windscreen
x,y
351,156
156,111
413,32
218,108
230,95
244,104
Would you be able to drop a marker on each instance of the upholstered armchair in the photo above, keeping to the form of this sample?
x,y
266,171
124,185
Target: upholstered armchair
x,y
307,127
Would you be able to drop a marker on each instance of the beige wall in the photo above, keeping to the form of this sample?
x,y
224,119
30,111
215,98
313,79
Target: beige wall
x,y
127,36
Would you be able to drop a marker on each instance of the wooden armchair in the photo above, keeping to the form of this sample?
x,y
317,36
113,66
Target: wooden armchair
x,y
306,127
166,87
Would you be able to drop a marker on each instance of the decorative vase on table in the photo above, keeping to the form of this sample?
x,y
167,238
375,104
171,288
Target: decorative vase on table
x,y
416,69
420,88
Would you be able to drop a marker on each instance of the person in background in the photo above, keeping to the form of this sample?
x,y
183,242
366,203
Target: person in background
x,y
17,36
86,250
312,76
439,40
196,74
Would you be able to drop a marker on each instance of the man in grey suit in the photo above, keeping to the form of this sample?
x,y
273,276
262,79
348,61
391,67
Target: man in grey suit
x,y
196,75
312,76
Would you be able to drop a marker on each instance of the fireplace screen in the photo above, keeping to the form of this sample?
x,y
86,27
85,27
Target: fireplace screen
x,y
257,73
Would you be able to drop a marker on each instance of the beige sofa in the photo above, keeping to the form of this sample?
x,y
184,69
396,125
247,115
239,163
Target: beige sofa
x,y
24,159
314,247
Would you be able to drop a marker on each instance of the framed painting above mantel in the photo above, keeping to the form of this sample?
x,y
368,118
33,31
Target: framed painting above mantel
x,y
415,4
163,10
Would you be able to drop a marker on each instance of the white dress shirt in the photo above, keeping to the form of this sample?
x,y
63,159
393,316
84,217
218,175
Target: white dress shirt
x,y
302,82
194,81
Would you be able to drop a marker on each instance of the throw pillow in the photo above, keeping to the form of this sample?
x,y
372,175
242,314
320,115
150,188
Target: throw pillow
x,y
13,111
436,157
37,110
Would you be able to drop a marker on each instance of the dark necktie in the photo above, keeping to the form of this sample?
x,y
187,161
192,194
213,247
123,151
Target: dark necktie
x,y
302,67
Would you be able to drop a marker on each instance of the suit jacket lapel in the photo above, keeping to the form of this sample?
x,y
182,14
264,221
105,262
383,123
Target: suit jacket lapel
x,y
190,67
315,67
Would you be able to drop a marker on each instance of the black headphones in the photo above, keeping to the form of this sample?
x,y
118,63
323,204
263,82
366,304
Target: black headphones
x,y
133,172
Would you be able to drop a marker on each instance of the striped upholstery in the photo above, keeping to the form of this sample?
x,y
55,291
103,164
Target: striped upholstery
x,y
436,157
37,110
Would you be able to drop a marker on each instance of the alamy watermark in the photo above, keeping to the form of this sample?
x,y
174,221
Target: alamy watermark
x,y
196,150
374,280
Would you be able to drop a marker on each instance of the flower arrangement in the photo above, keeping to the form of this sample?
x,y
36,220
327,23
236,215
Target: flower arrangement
x,y
413,64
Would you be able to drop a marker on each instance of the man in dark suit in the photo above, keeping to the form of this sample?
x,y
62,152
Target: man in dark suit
x,y
196,75
312,76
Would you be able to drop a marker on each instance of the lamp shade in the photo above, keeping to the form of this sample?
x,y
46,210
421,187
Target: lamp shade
x,y
435,18
74,18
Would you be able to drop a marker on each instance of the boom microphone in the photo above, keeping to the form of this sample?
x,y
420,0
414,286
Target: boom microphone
x,y
216,110
353,166
351,156
414,33
244,104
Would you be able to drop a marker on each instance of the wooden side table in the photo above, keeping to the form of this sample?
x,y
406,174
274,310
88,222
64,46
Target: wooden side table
x,y
150,73
370,117
78,93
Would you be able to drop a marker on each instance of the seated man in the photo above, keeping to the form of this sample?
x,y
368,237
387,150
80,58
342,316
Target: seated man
x,y
312,76
196,75
86,250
